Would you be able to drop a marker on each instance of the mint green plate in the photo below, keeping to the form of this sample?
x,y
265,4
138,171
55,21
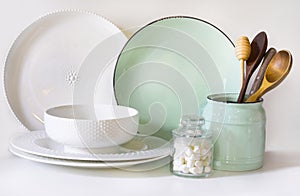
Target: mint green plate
x,y
168,68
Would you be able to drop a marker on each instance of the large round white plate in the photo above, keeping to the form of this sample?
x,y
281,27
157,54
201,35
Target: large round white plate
x,y
83,164
37,143
168,68
44,64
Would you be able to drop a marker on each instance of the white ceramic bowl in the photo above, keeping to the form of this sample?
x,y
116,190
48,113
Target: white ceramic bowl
x,y
91,126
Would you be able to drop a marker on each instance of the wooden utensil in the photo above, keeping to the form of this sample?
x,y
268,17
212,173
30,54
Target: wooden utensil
x,y
276,72
242,52
258,49
261,72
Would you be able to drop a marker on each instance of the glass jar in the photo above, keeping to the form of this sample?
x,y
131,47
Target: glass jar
x,y
192,154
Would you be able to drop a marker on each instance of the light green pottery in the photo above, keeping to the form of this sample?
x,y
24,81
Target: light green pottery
x,y
238,132
167,69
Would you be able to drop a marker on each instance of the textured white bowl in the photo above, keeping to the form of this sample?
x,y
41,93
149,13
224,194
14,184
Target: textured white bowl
x,y
91,126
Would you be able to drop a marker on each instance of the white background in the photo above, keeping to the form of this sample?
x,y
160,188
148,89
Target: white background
x,y
281,173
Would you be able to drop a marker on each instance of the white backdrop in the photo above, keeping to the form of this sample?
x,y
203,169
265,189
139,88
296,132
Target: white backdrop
x,y
280,19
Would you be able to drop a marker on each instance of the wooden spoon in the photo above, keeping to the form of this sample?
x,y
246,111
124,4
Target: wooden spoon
x,y
258,49
261,72
276,72
242,52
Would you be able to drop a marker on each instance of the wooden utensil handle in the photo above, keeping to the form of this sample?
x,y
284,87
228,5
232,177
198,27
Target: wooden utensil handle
x,y
254,97
242,71
243,89
260,74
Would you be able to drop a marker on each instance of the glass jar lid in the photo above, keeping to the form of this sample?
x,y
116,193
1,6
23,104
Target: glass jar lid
x,y
192,120
191,126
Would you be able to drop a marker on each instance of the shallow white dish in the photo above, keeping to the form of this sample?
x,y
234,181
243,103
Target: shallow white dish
x,y
44,63
37,143
83,164
96,126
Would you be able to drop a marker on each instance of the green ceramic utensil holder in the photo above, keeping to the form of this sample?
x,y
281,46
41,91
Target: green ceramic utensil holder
x,y
238,132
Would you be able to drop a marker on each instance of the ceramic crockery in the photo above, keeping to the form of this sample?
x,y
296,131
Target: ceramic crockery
x,y
44,63
238,132
96,126
169,66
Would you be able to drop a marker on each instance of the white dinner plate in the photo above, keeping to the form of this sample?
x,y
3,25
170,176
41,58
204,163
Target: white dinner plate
x,y
83,164
37,143
44,64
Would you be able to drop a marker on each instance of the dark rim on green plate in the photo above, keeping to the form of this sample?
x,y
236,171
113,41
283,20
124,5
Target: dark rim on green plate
x,y
151,23
155,21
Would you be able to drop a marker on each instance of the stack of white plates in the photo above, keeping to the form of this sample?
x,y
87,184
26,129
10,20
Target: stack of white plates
x,y
36,146
52,60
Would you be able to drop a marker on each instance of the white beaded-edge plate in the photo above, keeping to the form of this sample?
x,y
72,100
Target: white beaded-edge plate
x,y
81,164
37,143
45,62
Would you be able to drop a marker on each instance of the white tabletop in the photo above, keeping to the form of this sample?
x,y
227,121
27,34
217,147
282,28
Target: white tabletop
x,y
281,172
279,176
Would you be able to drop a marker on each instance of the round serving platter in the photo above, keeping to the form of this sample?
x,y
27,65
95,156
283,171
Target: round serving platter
x,y
44,64
169,67
81,164
37,143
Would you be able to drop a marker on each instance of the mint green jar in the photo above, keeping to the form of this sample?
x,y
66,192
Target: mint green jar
x,y
238,132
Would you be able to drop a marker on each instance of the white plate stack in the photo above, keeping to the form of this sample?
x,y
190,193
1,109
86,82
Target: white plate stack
x,y
68,58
